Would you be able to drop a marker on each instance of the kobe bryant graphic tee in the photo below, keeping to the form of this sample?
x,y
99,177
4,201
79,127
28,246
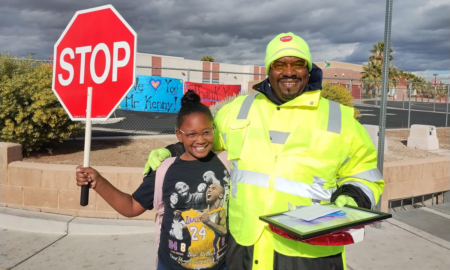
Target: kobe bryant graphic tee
x,y
194,231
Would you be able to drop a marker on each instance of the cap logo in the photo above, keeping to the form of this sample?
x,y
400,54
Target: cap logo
x,y
286,38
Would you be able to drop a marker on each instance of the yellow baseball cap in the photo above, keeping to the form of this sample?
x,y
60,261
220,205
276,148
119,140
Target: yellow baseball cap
x,y
287,44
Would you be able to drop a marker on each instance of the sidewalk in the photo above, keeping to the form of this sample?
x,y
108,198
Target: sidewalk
x,y
30,240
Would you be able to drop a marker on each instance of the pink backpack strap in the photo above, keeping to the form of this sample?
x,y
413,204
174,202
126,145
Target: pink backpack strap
x,y
223,156
158,202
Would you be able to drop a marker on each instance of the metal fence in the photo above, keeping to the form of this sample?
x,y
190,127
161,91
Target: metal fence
x,y
138,123
408,103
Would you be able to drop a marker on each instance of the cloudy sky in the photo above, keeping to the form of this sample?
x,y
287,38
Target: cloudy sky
x,y
237,32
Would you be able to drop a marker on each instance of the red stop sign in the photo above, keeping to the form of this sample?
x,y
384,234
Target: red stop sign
x,y
97,49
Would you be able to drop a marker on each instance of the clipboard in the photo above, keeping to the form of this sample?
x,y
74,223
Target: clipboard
x,y
348,217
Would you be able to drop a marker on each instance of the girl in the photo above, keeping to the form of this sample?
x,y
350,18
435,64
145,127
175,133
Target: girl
x,y
194,232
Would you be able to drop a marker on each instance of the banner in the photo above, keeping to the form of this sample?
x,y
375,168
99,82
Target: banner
x,y
212,93
154,94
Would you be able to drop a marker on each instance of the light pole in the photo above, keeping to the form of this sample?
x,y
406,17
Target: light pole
x,y
435,84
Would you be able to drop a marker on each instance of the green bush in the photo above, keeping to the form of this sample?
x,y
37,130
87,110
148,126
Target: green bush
x,y
339,94
30,114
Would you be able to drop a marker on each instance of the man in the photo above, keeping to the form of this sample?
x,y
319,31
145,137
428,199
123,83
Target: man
x,y
215,216
289,145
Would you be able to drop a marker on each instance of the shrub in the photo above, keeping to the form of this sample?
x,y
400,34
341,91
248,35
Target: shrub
x,y
339,94
30,114
216,107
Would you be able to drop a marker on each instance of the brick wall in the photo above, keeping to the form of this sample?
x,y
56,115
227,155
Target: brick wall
x,y
156,62
415,177
51,188
206,74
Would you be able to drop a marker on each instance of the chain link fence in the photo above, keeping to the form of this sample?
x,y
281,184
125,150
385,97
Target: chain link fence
x,y
408,102
139,123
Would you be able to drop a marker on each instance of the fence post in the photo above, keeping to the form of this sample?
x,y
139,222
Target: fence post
x,y
434,98
409,106
447,101
350,86
376,97
189,75
360,92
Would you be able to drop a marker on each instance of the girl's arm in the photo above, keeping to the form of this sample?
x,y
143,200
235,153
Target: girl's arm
x,y
122,202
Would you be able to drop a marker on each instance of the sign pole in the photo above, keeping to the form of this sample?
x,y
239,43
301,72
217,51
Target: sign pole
x,y
84,198
384,89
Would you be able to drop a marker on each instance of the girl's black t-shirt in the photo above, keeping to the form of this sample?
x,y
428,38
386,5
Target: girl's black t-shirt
x,y
194,232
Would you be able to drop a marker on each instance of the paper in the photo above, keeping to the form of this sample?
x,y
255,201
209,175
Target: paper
x,y
312,212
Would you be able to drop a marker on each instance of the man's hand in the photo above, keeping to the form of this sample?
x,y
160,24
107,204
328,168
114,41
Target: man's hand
x,y
343,200
155,158
87,176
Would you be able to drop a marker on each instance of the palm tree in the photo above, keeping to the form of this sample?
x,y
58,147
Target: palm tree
x,y
373,70
377,52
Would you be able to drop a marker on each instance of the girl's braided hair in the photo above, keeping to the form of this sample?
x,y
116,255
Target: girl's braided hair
x,y
190,103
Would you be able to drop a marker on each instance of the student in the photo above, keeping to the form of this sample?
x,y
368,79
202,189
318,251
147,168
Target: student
x,y
194,232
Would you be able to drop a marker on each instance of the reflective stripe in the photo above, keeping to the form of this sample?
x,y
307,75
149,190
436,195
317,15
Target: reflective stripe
x,y
334,117
346,160
224,136
314,191
278,136
293,49
365,189
247,177
373,175
245,107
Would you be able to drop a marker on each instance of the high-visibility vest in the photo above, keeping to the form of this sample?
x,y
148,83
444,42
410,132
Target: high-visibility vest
x,y
298,153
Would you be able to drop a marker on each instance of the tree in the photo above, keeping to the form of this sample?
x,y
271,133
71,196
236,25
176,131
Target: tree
x,y
377,52
207,58
30,113
373,70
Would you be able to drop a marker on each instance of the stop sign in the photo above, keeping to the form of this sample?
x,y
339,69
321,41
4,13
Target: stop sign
x,y
97,49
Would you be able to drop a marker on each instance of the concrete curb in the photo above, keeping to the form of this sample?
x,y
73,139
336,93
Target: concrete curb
x,y
422,234
23,220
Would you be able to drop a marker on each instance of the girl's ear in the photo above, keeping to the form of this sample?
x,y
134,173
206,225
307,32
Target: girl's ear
x,y
179,135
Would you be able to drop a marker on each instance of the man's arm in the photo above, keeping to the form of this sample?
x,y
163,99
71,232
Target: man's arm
x,y
176,149
359,177
159,155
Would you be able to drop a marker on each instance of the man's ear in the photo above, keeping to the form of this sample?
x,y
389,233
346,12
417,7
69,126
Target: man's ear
x,y
179,135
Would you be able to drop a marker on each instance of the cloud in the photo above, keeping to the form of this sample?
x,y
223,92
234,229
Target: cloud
x,y
238,31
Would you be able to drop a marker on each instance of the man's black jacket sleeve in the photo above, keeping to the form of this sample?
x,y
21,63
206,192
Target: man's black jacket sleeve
x,y
176,149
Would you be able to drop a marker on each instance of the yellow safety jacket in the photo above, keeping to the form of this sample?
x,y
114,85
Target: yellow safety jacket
x,y
298,152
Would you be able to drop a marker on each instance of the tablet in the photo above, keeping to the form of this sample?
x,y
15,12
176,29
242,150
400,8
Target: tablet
x,y
346,218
